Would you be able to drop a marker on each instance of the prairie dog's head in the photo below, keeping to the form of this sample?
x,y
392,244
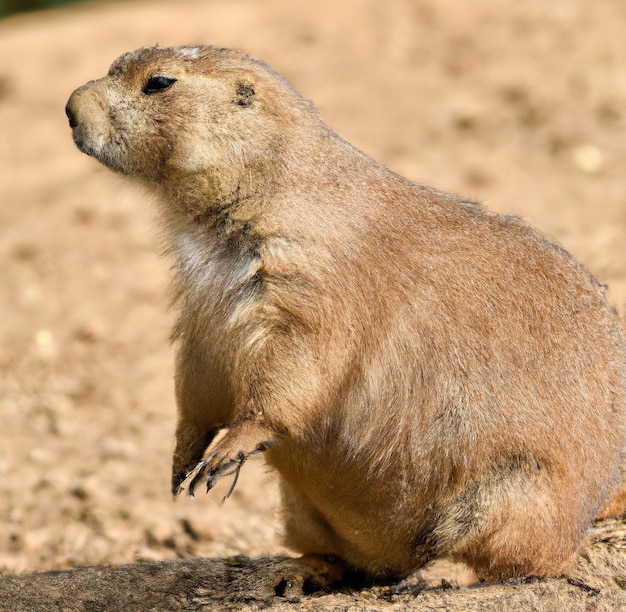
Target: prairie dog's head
x,y
165,112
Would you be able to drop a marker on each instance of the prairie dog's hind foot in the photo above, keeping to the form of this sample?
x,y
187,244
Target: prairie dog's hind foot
x,y
312,573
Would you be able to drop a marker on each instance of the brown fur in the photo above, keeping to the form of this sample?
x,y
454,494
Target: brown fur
x,y
429,378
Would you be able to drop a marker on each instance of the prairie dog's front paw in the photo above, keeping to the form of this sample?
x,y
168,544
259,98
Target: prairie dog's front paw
x,y
243,440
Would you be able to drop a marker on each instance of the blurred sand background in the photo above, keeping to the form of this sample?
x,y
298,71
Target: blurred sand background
x,y
521,105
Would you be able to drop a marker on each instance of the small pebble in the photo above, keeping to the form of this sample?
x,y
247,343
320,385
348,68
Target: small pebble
x,y
588,158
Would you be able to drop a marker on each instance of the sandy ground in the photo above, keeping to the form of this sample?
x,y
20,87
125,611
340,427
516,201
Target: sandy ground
x,y
521,105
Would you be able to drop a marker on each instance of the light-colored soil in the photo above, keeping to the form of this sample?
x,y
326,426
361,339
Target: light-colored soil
x,y
521,105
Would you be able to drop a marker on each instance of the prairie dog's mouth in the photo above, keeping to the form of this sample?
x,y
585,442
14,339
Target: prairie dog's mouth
x,y
87,143
80,140
95,147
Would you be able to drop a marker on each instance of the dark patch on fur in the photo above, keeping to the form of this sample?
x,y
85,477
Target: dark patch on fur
x,y
245,93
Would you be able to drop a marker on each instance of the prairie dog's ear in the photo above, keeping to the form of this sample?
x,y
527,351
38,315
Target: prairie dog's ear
x,y
244,92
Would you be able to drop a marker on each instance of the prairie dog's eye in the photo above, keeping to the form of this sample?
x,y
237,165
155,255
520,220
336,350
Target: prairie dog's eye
x,y
158,83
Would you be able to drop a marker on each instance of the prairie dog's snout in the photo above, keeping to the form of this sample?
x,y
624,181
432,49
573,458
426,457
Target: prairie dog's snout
x,y
75,109
428,378
90,116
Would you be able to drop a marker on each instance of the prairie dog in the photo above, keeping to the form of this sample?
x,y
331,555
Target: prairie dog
x,y
428,378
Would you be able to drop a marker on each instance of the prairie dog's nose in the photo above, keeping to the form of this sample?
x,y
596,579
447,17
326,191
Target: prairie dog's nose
x,y
70,115
71,109
79,103
85,120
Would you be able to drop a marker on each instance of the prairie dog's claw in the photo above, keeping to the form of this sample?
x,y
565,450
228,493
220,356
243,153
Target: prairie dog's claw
x,y
222,462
